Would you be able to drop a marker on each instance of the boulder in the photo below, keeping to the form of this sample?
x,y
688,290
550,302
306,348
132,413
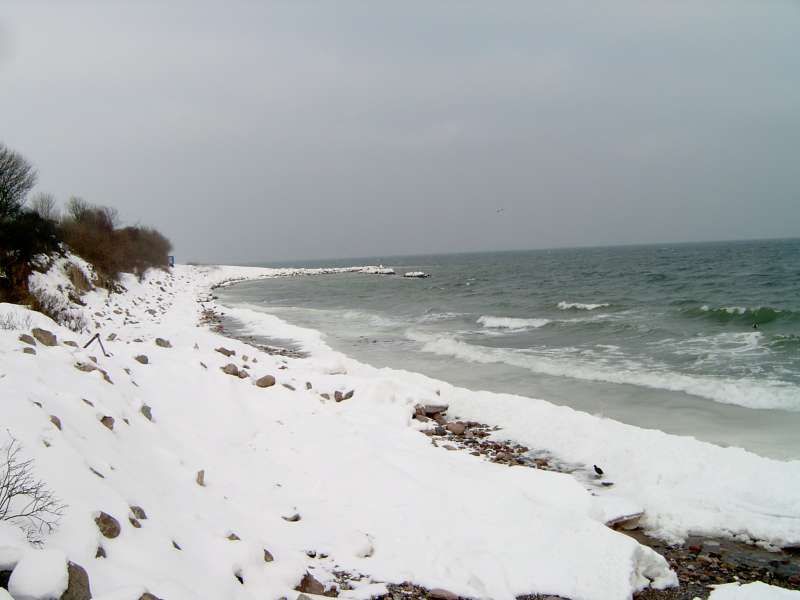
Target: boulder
x,y
108,422
431,410
142,359
138,512
147,412
28,350
230,369
71,343
135,522
225,351
78,586
107,525
265,381
44,337
201,477
243,374
55,421
162,343
456,428
148,596
310,585
26,339
268,556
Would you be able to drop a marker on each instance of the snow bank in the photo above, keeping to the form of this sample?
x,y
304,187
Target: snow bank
x,y
321,486
325,486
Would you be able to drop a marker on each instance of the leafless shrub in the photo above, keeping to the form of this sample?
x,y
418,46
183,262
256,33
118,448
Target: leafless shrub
x,y
59,310
24,500
12,322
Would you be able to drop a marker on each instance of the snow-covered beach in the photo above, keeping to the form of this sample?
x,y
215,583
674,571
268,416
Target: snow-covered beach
x,y
302,477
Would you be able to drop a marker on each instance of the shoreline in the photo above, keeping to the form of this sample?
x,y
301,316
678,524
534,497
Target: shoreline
x,y
313,464
700,562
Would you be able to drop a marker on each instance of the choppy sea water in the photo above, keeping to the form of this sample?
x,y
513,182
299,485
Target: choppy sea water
x,y
700,339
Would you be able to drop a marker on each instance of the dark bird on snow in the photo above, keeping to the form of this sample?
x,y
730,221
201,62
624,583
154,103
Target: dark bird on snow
x,y
598,470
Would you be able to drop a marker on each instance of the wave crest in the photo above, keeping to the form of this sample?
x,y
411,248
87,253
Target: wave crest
x,y
512,323
581,306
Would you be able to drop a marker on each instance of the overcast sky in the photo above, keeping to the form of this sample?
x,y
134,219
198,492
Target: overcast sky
x,y
256,131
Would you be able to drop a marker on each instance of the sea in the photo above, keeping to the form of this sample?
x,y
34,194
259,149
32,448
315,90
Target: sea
x,y
692,339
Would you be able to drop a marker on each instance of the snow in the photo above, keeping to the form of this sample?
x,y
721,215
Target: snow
x,y
752,591
374,494
39,575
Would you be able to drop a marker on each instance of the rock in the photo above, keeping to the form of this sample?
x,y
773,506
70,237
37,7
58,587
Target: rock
x,y
147,412
26,339
233,537
225,351
148,596
107,525
326,396
139,513
440,594
142,359
268,556
431,410
339,396
108,422
292,519
288,386
439,431
230,369
44,337
28,350
78,586
135,522
100,553
71,343
55,421
310,585
265,381
111,337
308,385
243,374
162,343
201,477
456,428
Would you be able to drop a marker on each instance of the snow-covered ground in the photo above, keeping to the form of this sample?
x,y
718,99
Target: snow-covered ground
x,y
320,486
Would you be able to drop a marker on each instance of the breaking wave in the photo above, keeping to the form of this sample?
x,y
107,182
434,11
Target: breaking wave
x,y
511,323
747,392
580,306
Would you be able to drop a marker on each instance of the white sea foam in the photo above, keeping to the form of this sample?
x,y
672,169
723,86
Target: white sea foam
x,y
580,306
747,392
511,323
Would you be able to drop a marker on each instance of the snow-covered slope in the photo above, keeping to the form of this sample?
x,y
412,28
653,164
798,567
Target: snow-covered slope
x,y
296,483
373,495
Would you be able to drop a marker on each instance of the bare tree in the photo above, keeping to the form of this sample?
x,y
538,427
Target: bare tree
x,y
24,500
45,206
17,178
77,208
